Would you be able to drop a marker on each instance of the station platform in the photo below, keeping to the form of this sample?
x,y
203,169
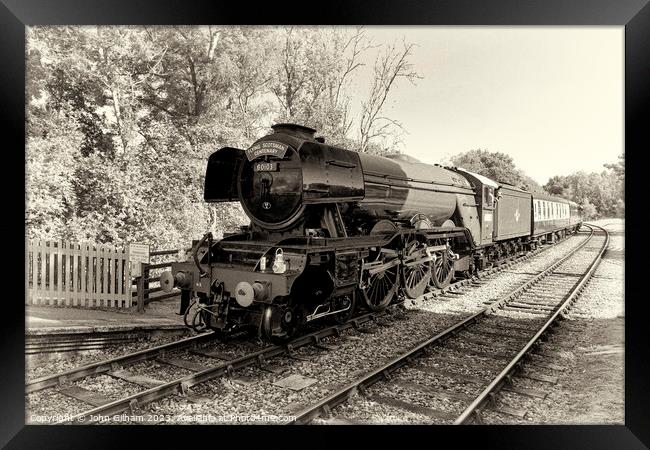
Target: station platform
x,y
48,320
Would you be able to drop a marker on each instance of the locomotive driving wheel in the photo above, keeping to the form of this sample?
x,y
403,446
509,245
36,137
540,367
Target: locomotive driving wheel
x,y
380,278
443,269
416,265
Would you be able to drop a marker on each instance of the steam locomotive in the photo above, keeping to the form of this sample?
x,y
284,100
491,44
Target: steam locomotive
x,y
334,231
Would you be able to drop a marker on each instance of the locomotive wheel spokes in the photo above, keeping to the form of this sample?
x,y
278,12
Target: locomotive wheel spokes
x,y
443,270
416,267
379,280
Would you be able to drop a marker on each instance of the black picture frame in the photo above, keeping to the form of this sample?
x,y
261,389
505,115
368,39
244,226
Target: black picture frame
x,y
634,15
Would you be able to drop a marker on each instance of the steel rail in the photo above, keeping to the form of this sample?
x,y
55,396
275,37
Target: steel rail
x,y
546,272
99,367
107,365
383,372
213,372
181,385
503,264
577,289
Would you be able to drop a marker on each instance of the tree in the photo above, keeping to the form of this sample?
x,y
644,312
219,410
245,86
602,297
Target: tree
x,y
133,92
618,167
589,211
601,194
121,120
495,165
53,139
558,185
390,66
312,73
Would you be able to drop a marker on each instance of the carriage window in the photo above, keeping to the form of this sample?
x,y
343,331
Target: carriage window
x,y
488,196
536,214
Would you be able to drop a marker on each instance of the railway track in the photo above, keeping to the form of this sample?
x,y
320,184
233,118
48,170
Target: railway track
x,y
202,364
495,341
43,346
202,367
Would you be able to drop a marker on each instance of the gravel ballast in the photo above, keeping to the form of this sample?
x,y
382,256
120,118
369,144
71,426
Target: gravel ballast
x,y
227,398
251,396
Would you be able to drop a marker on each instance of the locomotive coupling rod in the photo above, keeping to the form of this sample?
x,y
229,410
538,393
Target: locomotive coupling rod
x,y
419,261
384,267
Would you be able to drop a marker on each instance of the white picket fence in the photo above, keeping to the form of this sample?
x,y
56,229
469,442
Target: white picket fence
x,y
63,273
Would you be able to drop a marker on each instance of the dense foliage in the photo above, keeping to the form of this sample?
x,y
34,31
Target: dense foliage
x,y
121,120
599,194
497,166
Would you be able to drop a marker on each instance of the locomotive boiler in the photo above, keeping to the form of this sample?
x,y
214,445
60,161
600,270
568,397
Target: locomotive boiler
x,y
332,231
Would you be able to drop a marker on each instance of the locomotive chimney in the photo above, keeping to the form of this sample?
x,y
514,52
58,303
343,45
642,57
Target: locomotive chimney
x,y
292,129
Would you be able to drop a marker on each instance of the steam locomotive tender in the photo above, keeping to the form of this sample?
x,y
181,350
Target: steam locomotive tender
x,y
333,231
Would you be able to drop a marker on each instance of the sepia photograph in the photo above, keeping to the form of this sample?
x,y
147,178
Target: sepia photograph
x,y
324,225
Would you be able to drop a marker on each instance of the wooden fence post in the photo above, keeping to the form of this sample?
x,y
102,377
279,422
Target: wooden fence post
x,y
140,282
145,274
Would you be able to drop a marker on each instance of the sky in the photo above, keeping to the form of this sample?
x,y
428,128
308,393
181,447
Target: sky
x,y
550,97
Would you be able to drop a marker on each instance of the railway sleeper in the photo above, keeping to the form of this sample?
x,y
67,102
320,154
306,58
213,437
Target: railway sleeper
x,y
87,396
523,310
529,392
436,393
510,411
448,374
417,409
140,380
470,351
538,377
527,305
545,365
502,346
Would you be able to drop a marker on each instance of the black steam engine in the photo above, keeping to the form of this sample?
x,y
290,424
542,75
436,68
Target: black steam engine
x,y
333,231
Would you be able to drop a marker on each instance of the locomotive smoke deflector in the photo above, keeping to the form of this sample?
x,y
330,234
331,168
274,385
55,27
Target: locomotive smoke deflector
x,y
221,175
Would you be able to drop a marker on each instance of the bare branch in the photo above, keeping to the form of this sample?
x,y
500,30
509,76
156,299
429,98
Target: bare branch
x,y
389,66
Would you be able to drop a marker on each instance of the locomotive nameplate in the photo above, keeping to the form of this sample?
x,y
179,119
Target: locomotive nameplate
x,y
265,167
270,148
